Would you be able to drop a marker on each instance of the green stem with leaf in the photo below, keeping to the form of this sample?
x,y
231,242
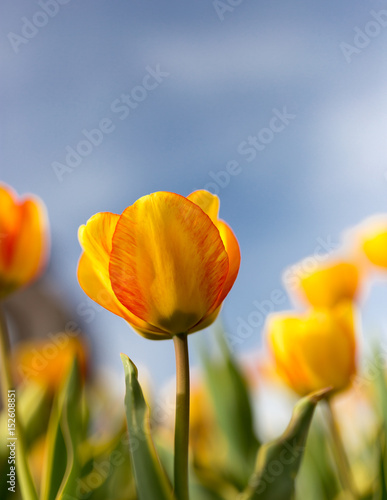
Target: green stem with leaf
x,y
24,477
182,416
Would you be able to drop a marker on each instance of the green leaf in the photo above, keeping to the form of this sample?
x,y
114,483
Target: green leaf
x,y
230,395
56,458
317,477
381,388
120,482
34,410
72,425
381,487
381,391
65,433
278,462
151,480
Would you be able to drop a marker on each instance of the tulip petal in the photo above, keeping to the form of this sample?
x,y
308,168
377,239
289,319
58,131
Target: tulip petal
x,y
9,224
209,203
234,256
31,247
23,237
168,264
289,362
206,321
96,239
95,284
330,347
331,284
93,270
375,248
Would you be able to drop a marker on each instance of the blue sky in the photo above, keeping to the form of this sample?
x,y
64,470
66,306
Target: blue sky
x,y
222,78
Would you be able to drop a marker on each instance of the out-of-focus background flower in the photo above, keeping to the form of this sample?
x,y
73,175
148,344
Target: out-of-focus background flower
x,y
278,107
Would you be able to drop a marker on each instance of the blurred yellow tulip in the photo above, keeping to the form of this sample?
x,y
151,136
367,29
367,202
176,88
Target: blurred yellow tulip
x,y
206,442
47,362
165,265
23,240
314,350
329,283
372,234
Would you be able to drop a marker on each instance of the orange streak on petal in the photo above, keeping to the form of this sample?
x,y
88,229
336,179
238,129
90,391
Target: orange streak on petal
x,y
234,257
209,203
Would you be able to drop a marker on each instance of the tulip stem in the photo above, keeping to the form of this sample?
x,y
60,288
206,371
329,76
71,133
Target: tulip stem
x,y
182,417
5,369
24,476
342,462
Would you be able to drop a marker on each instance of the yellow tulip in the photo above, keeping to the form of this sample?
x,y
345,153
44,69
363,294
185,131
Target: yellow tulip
x,y
165,264
314,350
329,284
372,236
23,240
47,363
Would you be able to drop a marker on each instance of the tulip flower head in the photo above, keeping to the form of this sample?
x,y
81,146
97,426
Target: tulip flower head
x,y
23,240
315,350
327,284
165,264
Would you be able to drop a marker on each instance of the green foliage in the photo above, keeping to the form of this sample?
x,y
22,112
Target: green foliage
x,y
317,477
151,479
65,434
231,400
278,462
